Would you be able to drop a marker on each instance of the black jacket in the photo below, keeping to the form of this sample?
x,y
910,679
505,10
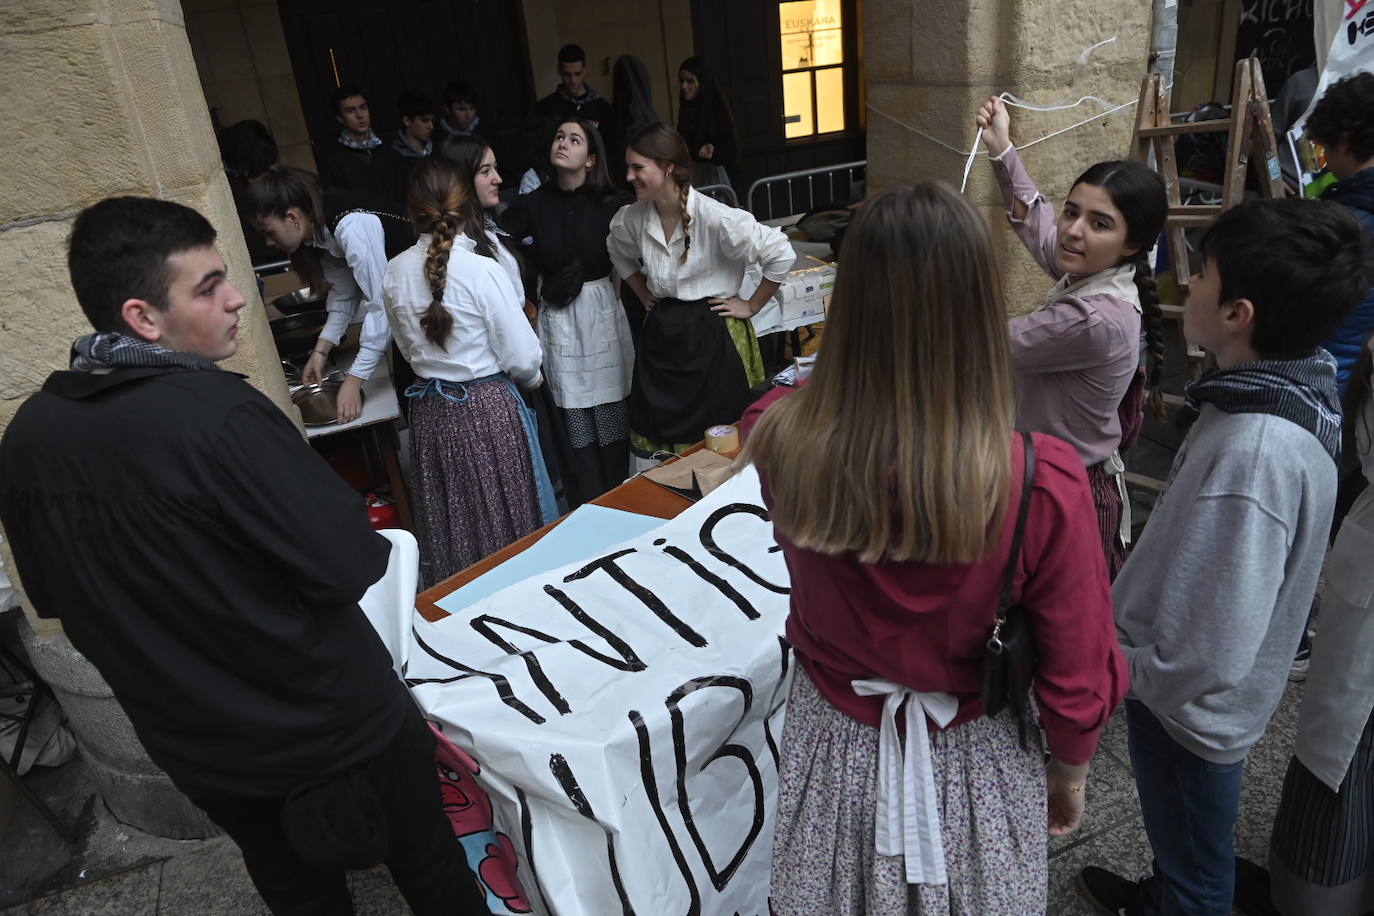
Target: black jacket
x,y
209,564
559,106
377,170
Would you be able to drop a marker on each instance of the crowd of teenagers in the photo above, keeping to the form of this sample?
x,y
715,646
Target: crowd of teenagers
x,y
942,466
526,388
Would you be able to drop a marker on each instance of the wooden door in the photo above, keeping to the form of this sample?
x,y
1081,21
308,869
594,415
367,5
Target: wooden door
x,y
386,47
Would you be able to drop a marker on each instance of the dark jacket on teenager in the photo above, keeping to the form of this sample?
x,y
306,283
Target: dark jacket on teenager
x,y
166,516
1356,193
377,169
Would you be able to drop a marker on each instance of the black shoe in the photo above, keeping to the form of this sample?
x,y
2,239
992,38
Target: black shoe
x,y
1252,889
1107,892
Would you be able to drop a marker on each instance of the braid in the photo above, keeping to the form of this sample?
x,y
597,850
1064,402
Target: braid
x,y
683,189
1153,318
437,322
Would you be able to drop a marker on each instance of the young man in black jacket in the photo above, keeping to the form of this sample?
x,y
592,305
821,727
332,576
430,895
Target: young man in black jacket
x,y
357,159
156,504
574,98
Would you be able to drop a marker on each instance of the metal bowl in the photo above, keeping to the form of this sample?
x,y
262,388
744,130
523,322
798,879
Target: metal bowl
x,y
302,300
318,403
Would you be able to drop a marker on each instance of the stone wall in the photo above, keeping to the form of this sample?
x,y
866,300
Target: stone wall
x,y
101,99
931,64
245,70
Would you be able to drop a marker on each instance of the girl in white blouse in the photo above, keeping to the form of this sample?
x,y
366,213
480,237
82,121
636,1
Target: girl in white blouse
x,y
342,238
457,317
684,255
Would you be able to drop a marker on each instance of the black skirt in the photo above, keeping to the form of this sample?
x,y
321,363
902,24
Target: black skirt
x,y
688,374
1326,838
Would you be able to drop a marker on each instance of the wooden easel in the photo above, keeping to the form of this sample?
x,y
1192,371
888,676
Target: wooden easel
x,y
1156,132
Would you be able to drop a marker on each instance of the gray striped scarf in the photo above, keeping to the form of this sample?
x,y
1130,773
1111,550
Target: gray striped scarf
x,y
111,350
1302,391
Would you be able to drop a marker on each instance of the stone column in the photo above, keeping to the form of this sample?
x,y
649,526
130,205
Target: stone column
x,y
102,98
930,64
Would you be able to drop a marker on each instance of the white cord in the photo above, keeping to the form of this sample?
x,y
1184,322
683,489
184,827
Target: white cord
x,y
972,155
973,152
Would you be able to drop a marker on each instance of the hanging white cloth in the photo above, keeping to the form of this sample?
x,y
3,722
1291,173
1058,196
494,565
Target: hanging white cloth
x,y
908,821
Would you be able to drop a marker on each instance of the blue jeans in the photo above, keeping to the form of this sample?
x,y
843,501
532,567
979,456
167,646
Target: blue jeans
x,y
1190,806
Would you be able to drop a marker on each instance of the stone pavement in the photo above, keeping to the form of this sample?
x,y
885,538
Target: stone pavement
x,y
208,878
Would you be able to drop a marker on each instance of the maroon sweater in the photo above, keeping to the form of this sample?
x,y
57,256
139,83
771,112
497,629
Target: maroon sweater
x,y
925,626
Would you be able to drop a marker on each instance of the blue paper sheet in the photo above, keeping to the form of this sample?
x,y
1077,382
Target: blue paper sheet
x,y
583,534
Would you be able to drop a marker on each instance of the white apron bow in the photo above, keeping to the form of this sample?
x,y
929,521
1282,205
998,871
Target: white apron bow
x,y
908,821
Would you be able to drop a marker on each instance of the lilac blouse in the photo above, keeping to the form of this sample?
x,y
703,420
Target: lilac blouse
x,y
1074,357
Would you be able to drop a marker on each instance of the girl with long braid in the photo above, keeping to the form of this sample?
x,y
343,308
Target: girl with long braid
x,y
684,255
1077,358
475,461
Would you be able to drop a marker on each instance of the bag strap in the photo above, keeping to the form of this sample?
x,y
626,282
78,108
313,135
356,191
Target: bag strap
x,y
1013,558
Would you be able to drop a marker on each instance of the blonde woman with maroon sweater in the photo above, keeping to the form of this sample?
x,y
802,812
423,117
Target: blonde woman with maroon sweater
x,y
894,498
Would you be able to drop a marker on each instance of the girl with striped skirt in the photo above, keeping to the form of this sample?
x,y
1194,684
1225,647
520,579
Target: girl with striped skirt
x,y
1077,356
894,499
458,318
1321,855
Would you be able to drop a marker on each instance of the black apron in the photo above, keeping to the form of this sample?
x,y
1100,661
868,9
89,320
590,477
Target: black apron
x,y
688,374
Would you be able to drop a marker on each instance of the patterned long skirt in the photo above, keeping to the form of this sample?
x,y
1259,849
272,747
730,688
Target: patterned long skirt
x,y
992,817
473,477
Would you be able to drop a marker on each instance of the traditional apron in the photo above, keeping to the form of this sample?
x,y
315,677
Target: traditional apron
x,y
688,374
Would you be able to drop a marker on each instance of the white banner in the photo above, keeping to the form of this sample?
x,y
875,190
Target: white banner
x,y
625,712
1352,51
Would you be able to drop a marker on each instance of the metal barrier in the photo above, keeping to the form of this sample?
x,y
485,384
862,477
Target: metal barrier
x,y
839,191
721,192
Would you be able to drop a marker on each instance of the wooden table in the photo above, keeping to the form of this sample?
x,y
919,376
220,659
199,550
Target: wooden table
x,y
638,494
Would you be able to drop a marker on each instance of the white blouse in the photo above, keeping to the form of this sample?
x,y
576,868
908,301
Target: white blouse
x,y
353,264
725,241
490,332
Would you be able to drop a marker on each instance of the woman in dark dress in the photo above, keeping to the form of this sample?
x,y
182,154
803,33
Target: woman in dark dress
x,y
707,124
589,355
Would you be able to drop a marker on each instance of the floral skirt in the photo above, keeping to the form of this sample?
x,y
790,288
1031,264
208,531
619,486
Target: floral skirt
x,y
473,476
992,817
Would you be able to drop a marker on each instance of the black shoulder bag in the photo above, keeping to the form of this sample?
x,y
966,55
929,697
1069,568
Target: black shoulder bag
x,y
1009,658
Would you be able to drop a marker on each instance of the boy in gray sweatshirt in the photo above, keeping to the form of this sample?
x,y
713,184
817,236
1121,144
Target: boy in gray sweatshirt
x,y
1213,600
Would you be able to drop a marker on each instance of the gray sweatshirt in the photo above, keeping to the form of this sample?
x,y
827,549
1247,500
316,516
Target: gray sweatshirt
x,y
1213,599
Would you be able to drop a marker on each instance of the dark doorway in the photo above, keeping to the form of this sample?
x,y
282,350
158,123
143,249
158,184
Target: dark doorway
x,y
386,47
743,43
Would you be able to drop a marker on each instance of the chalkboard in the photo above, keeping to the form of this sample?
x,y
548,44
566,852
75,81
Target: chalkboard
x,y
1279,33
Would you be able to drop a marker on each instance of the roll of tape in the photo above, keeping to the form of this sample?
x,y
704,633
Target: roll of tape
x,y
722,438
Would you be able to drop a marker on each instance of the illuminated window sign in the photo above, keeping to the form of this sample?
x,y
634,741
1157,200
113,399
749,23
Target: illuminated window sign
x,y
812,67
